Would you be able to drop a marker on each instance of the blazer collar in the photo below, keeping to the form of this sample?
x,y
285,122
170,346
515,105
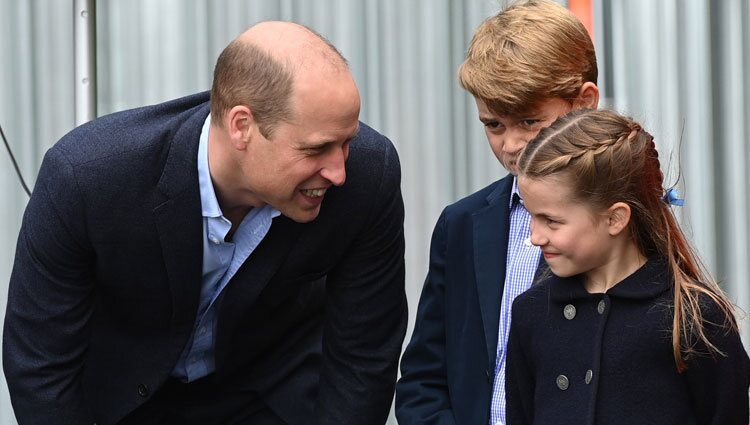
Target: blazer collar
x,y
490,252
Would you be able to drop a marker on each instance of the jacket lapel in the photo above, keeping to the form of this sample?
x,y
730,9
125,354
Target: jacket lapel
x,y
178,219
490,250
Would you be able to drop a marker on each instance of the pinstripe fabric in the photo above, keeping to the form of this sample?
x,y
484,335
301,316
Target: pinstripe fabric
x,y
521,264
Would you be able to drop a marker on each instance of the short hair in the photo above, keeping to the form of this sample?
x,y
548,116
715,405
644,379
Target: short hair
x,y
245,74
531,51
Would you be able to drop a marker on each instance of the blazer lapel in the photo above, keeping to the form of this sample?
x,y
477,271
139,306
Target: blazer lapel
x,y
179,221
490,251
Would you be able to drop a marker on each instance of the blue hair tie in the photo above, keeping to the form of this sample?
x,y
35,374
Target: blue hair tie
x,y
672,197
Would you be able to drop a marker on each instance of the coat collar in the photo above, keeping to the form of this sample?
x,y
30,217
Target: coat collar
x,y
648,282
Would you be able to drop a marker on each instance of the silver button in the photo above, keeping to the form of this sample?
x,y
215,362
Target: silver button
x,y
589,375
600,308
562,382
569,311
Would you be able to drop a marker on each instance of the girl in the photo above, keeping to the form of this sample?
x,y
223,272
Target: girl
x,y
630,329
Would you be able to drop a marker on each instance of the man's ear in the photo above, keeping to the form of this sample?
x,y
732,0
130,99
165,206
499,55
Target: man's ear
x,y
588,96
618,218
240,126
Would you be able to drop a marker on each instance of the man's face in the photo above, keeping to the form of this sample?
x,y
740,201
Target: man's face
x,y
293,169
508,135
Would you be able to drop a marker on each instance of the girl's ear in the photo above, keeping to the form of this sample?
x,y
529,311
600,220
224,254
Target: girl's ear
x,y
618,218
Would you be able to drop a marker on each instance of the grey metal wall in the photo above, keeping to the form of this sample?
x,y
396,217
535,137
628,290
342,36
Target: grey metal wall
x,y
671,63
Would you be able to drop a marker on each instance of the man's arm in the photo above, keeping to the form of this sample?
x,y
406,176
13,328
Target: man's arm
x,y
49,302
422,392
366,314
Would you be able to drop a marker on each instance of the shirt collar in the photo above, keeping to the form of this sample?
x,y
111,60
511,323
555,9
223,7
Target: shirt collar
x,y
209,203
514,191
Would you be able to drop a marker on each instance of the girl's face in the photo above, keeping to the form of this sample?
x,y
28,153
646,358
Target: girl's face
x,y
574,239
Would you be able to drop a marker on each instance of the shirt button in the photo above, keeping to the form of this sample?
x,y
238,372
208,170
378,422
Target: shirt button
x,y
201,330
214,239
600,308
527,241
143,390
562,382
569,311
589,375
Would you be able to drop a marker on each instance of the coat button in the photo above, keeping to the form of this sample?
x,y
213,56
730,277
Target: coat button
x,y
143,390
589,375
569,311
562,382
600,308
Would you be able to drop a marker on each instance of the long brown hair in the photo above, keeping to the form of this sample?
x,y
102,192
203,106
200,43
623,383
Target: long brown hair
x,y
609,158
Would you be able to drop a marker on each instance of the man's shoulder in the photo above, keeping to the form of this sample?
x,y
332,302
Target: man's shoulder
x,y
133,129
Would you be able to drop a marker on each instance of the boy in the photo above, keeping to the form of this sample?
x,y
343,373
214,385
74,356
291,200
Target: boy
x,y
525,67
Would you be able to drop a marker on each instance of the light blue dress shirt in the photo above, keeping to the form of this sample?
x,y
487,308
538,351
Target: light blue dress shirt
x,y
221,260
520,267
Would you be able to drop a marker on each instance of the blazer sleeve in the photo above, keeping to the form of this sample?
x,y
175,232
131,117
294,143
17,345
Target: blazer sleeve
x,y
422,392
366,313
45,333
719,383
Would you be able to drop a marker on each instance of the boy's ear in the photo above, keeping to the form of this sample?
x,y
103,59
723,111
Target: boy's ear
x,y
618,218
588,96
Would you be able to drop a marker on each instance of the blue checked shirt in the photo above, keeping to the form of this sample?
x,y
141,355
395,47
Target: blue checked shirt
x,y
221,260
520,267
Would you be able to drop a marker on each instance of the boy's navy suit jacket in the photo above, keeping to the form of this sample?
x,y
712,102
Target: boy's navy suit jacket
x,y
447,370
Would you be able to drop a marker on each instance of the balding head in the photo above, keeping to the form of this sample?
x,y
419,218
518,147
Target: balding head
x,y
259,68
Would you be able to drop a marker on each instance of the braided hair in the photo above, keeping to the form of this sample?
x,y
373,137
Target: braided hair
x,y
610,158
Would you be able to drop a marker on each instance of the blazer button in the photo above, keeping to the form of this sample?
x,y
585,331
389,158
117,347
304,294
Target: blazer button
x,y
143,390
569,311
562,382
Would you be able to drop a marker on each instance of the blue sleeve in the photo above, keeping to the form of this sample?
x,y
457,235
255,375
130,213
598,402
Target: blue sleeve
x,y
422,392
49,302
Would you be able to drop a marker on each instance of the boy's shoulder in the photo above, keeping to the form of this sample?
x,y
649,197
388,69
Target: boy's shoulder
x,y
498,191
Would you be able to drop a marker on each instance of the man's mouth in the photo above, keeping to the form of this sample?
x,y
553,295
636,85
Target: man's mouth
x,y
313,193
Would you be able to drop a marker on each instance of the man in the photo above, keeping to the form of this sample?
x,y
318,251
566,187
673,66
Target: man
x,y
525,67
202,261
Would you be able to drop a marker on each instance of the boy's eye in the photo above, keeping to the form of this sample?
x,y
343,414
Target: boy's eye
x,y
492,124
529,123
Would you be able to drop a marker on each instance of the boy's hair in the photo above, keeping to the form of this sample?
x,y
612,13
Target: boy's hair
x,y
531,51
608,158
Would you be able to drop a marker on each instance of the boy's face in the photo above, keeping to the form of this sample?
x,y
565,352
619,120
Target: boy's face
x,y
508,135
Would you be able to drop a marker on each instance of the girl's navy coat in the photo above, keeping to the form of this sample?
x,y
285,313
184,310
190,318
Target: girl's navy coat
x,y
578,358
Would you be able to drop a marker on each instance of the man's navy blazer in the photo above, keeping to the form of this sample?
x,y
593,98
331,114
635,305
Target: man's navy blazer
x,y
105,286
448,367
